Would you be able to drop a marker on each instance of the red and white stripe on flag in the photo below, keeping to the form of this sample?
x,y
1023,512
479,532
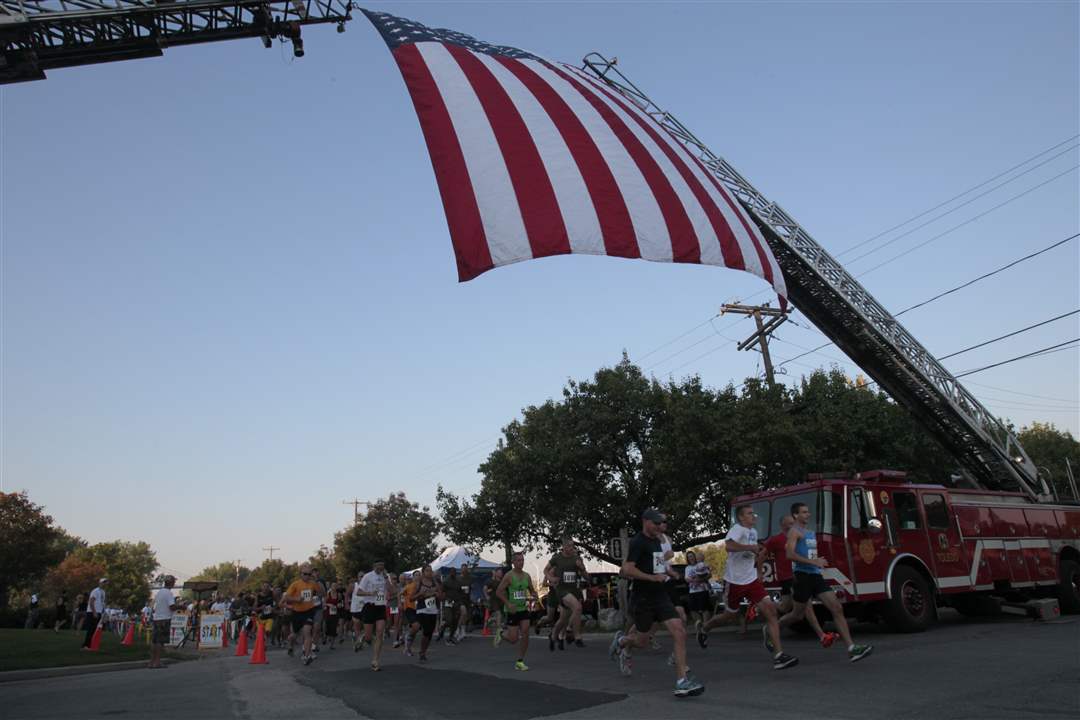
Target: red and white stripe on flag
x,y
535,158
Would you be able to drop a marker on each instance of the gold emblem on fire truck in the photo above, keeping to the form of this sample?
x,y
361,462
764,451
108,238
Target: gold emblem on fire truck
x,y
867,551
943,541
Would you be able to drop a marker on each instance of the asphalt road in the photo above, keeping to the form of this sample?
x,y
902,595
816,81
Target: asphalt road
x,y
1008,668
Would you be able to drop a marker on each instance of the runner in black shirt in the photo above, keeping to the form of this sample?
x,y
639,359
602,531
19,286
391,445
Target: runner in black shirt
x,y
645,565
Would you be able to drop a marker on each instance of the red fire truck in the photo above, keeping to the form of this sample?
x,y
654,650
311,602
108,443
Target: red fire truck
x,y
898,550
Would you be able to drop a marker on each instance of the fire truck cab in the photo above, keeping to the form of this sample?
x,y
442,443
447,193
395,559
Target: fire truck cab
x,y
898,550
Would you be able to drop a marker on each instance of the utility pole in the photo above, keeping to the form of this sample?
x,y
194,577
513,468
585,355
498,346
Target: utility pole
x,y
761,336
236,564
356,503
271,550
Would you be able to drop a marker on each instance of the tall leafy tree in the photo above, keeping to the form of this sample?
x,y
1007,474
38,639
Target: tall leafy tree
x,y
29,543
1048,447
129,567
277,572
75,575
229,576
395,530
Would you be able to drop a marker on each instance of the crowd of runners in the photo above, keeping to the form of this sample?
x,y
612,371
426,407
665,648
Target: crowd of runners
x,y
410,612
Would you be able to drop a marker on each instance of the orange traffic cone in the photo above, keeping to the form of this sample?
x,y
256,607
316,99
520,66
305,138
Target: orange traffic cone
x,y
258,657
95,641
225,634
241,647
129,636
487,620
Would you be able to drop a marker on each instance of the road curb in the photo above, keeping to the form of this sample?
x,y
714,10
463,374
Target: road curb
x,y
69,670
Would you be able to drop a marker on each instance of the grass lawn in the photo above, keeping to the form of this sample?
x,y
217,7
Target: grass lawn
x,y
27,649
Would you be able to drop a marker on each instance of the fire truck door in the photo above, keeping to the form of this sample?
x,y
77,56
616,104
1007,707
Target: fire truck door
x,y
950,562
867,543
903,523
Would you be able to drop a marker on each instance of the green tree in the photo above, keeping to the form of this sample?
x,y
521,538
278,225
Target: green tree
x,y
1048,448
128,566
398,532
229,576
75,575
323,561
276,572
29,543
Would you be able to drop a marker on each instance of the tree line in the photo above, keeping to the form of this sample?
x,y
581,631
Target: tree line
x,y
584,465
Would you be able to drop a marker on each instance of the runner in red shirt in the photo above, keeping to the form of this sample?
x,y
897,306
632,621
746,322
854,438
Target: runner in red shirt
x,y
776,545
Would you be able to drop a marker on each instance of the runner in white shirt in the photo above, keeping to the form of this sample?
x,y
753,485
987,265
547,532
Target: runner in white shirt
x,y
376,588
356,610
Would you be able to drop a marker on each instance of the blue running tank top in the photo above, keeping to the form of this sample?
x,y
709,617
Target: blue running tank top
x,y
807,547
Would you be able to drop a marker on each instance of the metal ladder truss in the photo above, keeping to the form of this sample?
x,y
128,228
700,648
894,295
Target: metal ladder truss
x,y
849,316
40,35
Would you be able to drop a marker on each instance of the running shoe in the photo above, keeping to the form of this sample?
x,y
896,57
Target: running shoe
x,y
828,639
579,643
551,642
671,659
375,667
688,687
497,640
315,649
766,640
290,651
783,660
654,643
562,644
613,648
408,651
333,645
307,659
751,614
450,641
423,657
702,637
355,648
858,652
626,664
397,644
520,665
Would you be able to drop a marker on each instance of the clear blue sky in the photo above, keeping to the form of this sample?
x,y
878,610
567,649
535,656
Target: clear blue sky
x,y
230,300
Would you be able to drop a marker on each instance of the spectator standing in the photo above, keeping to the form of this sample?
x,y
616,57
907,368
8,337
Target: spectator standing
x,y
32,615
164,605
61,612
95,611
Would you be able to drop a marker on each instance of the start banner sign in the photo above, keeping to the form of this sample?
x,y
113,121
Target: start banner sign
x,y
210,631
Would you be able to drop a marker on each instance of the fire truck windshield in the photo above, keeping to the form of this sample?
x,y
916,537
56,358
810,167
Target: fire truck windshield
x,y
826,512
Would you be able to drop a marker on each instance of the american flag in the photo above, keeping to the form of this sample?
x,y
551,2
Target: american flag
x,y
536,158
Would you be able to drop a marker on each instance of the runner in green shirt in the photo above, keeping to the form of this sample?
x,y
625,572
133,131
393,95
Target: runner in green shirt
x,y
516,591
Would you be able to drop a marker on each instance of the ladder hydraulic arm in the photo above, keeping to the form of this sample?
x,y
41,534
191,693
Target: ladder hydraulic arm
x,y
39,35
849,316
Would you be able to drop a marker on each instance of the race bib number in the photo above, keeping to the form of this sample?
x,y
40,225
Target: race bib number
x,y
518,595
333,609
658,563
305,595
380,598
569,578
429,603
448,603
811,548
465,589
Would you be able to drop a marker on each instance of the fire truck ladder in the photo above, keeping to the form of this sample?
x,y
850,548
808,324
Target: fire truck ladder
x,y
39,35
849,316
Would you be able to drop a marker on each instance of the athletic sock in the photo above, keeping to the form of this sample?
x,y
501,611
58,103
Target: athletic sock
x,y
851,647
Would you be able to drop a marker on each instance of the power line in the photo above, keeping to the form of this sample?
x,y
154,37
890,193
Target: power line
x,y
1043,351
967,222
958,207
950,291
674,340
957,197
1016,392
990,274
1009,335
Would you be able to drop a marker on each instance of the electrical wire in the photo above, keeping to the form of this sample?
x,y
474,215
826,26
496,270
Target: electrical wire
x,y
957,197
1043,351
1009,335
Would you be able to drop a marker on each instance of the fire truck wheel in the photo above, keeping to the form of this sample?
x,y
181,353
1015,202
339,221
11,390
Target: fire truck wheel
x,y
1069,588
911,608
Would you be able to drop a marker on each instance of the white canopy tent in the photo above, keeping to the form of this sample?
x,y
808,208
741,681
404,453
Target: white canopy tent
x,y
458,557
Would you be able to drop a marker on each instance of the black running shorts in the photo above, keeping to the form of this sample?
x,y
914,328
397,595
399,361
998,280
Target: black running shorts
x,y
650,609
809,585
300,619
427,623
516,618
372,613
